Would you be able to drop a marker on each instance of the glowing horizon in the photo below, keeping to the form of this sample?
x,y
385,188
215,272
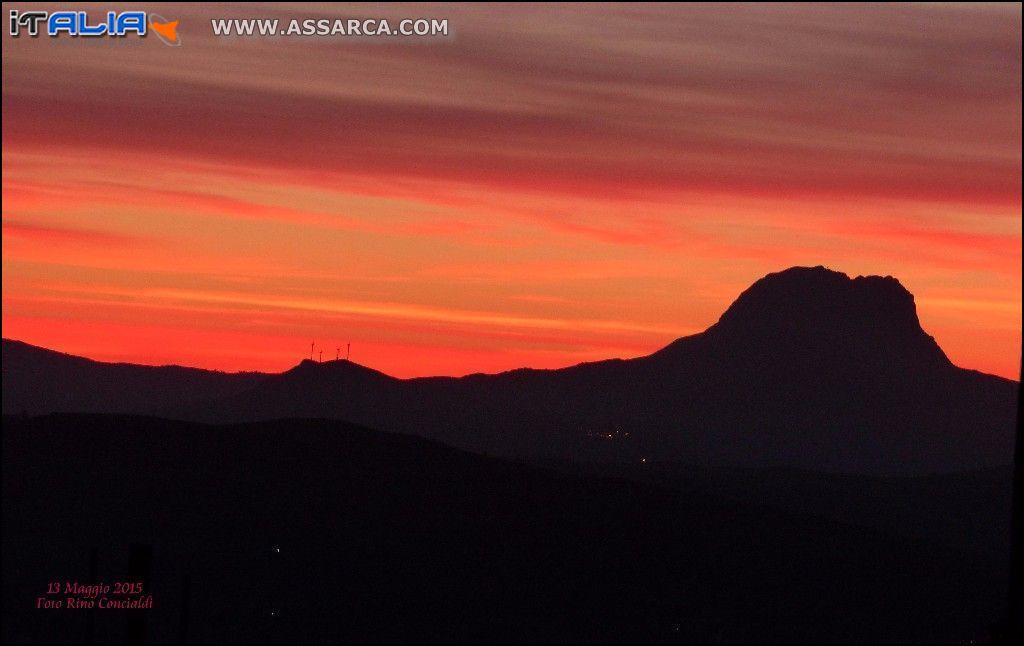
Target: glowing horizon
x,y
548,186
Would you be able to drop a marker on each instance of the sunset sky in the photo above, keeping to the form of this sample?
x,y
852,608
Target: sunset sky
x,y
544,186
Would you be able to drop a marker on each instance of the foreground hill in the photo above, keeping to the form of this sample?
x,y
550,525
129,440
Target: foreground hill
x,y
323,531
968,511
807,369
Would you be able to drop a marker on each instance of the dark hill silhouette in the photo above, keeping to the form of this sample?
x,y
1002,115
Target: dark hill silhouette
x,y
390,538
807,369
37,381
826,319
967,511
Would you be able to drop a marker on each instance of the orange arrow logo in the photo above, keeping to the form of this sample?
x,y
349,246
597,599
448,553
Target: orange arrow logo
x,y
167,30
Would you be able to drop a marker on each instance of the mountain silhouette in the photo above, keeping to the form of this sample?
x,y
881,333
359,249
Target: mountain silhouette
x,y
37,380
819,316
808,368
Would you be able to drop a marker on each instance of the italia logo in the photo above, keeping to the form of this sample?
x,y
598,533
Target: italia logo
x,y
79,24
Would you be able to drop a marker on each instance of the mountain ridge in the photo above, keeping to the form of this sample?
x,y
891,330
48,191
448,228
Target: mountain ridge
x,y
807,368
724,320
